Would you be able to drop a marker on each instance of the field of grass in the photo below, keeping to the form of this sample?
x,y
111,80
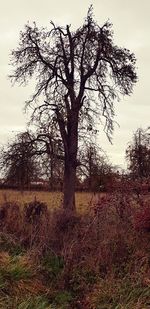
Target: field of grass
x,y
52,199
96,259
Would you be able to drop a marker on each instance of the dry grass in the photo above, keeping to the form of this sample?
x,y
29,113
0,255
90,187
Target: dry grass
x,y
96,259
52,199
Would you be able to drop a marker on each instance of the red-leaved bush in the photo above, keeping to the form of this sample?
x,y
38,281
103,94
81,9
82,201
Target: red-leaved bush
x,y
142,219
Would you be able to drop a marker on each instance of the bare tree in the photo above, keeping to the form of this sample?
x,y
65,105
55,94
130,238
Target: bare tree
x,y
18,162
78,76
138,154
94,169
50,150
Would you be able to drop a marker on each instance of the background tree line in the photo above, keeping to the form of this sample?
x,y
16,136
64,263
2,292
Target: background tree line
x,y
31,162
27,162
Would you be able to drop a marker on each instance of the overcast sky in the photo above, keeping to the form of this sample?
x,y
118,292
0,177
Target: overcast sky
x,y
131,25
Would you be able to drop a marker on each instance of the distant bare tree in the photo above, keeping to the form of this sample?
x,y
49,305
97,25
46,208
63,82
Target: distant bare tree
x,y
138,154
95,168
50,149
18,162
78,76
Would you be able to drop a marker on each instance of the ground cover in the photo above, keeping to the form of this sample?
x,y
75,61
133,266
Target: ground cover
x,y
96,259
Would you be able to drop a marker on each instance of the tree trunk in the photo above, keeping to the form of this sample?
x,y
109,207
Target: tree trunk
x,y
70,139
69,186
71,164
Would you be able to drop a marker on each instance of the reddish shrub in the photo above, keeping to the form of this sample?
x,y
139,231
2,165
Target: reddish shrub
x,y
10,217
142,220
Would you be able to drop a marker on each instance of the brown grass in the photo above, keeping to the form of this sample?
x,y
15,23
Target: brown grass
x,y
52,199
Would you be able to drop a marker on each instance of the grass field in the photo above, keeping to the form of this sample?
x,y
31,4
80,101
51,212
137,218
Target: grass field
x,y
52,199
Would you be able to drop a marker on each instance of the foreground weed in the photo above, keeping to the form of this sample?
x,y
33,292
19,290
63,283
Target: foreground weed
x,y
14,271
2,281
38,302
8,244
53,265
81,280
121,295
18,272
63,300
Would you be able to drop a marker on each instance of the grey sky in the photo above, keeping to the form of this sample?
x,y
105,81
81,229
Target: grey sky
x,y
131,25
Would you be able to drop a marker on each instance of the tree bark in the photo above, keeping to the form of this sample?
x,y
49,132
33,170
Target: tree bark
x,y
69,186
71,163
